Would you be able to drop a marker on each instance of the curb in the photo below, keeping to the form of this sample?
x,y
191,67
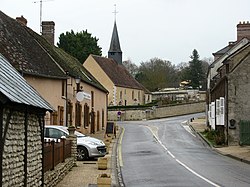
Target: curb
x,y
214,148
117,181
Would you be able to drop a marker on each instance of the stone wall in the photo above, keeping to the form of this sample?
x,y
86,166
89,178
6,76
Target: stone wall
x,y
238,98
157,112
13,163
13,166
51,178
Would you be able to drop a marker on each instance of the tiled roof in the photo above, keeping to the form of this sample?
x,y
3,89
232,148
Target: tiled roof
x,y
15,88
225,49
117,73
31,54
24,52
76,69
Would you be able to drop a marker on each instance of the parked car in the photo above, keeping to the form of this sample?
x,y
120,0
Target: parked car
x,y
87,147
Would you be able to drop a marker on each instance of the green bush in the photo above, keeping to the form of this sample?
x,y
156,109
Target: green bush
x,y
214,136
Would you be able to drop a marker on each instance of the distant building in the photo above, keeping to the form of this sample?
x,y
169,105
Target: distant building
x,y
179,95
123,88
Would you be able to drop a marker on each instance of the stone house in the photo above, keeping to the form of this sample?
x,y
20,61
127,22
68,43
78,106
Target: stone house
x,y
53,73
110,72
228,87
22,112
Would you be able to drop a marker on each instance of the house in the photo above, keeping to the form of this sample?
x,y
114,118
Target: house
x,y
22,111
228,88
53,73
110,72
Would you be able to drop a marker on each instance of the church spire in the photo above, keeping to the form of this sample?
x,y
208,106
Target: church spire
x,y
115,51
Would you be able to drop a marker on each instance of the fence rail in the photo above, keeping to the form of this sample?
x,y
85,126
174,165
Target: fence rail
x,y
55,153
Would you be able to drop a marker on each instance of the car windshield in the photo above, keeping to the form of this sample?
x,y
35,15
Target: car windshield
x,y
79,135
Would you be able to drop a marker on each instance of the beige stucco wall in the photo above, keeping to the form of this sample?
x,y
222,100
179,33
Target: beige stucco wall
x,y
93,67
100,103
49,89
116,94
123,94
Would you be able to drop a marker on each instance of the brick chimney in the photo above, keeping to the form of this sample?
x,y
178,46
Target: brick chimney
x,y
243,30
48,31
22,20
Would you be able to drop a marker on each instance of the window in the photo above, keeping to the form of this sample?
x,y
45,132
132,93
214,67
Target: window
x,y
133,95
139,96
63,88
120,95
92,99
54,133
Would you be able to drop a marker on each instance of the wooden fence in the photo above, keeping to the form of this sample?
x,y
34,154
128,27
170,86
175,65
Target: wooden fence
x,y
55,153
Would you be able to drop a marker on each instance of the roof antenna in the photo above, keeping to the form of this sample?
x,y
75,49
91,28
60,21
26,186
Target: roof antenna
x,y
41,4
115,12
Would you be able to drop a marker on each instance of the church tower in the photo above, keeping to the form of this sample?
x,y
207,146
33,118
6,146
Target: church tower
x,y
115,51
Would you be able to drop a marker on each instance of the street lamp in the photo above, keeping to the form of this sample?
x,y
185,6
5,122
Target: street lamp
x,y
78,80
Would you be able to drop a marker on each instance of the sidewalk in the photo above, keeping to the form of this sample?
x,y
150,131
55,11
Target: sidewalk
x,y
86,172
241,153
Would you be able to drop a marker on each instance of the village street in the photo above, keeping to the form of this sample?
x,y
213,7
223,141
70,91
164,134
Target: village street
x,y
166,152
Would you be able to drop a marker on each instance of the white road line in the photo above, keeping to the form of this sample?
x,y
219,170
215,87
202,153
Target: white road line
x,y
181,163
187,128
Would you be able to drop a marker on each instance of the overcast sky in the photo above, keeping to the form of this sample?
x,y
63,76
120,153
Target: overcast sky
x,y
167,29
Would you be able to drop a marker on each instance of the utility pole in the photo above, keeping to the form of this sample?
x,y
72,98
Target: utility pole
x,y
41,5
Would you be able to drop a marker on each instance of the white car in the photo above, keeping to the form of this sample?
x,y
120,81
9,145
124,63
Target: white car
x,y
87,147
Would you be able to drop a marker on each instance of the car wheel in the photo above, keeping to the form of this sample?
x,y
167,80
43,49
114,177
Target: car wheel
x,y
82,153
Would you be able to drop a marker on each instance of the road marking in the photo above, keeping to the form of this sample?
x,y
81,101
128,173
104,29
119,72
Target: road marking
x,y
187,128
181,163
120,148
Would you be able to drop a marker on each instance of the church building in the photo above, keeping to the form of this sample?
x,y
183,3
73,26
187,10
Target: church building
x,y
123,88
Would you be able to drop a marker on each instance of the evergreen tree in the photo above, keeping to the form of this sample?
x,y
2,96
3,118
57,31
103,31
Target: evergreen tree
x,y
195,70
80,44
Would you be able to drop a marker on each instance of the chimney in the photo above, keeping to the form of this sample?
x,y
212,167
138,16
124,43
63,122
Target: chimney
x,y
48,31
22,20
243,30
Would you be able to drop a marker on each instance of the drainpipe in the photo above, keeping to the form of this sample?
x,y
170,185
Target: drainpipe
x,y
226,107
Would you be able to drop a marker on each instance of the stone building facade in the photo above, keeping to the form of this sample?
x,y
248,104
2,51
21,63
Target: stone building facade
x,y
22,112
228,87
22,156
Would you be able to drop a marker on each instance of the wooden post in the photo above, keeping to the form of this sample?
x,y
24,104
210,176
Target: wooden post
x,y
53,154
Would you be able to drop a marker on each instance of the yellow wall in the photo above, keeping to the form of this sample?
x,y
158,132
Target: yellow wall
x,y
114,91
51,91
93,67
131,98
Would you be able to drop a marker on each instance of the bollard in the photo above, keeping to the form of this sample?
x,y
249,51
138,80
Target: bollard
x,y
104,180
102,163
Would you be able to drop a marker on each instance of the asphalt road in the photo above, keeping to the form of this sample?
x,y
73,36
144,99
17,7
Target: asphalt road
x,y
166,152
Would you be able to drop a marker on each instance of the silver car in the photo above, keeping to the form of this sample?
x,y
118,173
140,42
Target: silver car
x,y
87,147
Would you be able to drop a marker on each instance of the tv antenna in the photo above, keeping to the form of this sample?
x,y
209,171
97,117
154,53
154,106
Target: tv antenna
x,y
41,5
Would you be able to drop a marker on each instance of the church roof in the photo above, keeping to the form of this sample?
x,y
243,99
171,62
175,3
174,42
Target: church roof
x,y
117,73
115,44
